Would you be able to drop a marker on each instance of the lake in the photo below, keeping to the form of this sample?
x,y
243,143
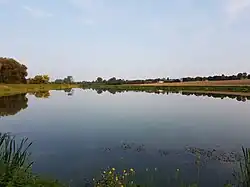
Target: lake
x,y
77,134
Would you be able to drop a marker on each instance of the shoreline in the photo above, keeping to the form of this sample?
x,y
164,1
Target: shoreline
x,y
244,94
236,90
243,82
143,87
222,90
13,89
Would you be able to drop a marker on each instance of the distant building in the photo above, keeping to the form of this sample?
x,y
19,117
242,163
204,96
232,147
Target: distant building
x,y
160,82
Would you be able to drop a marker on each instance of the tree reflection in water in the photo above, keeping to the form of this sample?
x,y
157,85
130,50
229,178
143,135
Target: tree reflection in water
x,y
242,98
11,105
70,91
43,94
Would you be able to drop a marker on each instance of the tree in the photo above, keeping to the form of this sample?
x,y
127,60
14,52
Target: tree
x,y
46,78
58,81
68,80
12,72
223,77
39,79
244,75
112,80
239,76
248,76
99,80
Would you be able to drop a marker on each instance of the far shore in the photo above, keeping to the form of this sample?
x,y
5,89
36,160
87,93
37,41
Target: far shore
x,y
244,82
12,89
232,87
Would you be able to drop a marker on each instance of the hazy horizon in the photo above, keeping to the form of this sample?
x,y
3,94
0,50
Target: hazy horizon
x,y
127,39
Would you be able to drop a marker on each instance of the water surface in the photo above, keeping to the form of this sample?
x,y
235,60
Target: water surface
x,y
78,134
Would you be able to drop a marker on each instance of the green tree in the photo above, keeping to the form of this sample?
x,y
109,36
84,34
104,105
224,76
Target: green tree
x,y
244,75
58,81
39,79
68,80
99,80
12,72
112,81
239,76
46,78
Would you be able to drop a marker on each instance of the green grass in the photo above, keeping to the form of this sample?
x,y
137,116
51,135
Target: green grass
x,y
243,176
15,167
12,89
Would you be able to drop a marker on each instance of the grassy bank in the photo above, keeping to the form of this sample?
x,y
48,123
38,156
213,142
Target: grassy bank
x,y
11,89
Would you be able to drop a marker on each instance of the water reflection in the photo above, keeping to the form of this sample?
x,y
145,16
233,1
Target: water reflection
x,y
11,105
208,153
147,133
237,96
220,95
69,91
43,94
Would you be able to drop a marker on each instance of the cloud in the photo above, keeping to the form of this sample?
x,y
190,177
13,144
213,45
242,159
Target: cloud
x,y
236,7
37,12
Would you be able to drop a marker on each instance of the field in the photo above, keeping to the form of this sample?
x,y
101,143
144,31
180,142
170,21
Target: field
x,y
11,89
245,82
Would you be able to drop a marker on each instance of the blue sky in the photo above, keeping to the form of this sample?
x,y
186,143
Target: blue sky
x,y
127,39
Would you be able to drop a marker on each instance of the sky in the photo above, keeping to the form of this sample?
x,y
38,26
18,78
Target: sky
x,y
127,39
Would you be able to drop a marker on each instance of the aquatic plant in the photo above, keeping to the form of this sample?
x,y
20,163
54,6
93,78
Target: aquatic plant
x,y
12,154
243,176
15,168
112,178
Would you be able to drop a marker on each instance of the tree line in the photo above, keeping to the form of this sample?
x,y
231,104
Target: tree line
x,y
115,81
13,72
222,77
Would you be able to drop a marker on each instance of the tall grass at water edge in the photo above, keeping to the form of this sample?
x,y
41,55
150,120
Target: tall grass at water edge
x,y
15,167
243,176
